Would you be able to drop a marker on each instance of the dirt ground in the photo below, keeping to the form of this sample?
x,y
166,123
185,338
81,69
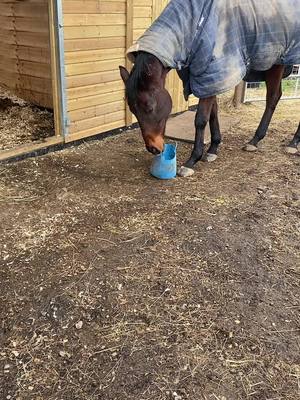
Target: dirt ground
x,y
22,122
117,286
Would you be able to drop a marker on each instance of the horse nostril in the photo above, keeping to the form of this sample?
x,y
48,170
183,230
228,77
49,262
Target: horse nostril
x,y
153,150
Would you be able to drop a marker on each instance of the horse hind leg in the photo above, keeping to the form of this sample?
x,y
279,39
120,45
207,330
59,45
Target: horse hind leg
x,y
292,147
274,92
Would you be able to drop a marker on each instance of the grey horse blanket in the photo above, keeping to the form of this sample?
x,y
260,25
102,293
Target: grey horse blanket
x,y
214,44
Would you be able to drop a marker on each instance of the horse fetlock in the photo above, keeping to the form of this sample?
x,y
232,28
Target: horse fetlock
x,y
185,172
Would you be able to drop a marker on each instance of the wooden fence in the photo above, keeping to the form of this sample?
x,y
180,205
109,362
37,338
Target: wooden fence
x,y
25,66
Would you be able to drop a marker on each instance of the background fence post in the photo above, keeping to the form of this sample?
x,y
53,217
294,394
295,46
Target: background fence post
x,y
239,94
129,41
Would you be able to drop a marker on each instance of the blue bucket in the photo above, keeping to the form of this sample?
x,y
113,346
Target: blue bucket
x,y
164,166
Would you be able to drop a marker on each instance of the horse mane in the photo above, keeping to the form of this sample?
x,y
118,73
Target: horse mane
x,y
139,75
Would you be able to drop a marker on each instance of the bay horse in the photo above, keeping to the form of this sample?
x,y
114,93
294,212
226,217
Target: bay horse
x,y
208,37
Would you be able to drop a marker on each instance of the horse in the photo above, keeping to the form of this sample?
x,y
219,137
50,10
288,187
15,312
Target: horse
x,y
252,41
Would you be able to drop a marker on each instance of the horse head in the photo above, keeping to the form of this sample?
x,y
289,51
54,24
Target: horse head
x,y
148,99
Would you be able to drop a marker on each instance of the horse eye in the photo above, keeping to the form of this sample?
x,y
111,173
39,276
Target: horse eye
x,y
149,110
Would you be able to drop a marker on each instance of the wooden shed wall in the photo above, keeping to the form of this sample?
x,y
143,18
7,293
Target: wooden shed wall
x,y
96,35
25,66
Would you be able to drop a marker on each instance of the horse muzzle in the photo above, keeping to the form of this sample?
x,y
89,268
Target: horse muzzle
x,y
153,150
154,144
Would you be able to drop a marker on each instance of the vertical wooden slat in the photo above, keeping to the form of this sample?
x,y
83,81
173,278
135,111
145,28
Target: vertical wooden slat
x,y
129,40
54,71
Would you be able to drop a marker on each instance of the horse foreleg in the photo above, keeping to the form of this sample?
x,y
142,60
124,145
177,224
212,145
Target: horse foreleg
x,y
292,148
216,138
274,92
202,117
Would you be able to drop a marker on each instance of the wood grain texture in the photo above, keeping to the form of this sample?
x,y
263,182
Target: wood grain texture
x,y
25,61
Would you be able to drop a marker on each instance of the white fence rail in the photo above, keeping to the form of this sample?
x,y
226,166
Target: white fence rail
x,y
256,91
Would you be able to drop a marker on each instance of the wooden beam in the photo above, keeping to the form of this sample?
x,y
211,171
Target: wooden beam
x,y
239,94
29,148
129,41
58,123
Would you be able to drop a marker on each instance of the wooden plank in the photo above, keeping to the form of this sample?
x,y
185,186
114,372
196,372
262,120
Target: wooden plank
x,y
93,6
142,2
24,9
81,32
55,75
40,99
26,68
29,148
94,19
141,23
129,41
33,54
94,43
239,94
94,131
93,67
25,39
73,57
142,12
92,79
77,126
24,50
91,90
19,24
85,102
97,110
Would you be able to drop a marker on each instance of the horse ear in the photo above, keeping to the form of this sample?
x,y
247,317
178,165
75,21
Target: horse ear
x,y
124,74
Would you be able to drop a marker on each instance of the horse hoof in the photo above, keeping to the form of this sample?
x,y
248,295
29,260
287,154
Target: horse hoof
x,y
211,157
250,148
291,150
184,172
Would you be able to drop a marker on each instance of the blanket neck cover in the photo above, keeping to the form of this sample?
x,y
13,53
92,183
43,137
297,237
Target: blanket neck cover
x,y
213,44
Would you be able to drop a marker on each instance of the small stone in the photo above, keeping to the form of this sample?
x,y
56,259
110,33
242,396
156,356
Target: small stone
x,y
6,366
79,324
8,397
15,353
30,388
237,321
64,354
262,189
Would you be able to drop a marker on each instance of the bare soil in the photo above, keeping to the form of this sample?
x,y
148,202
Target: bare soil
x,y
22,122
117,286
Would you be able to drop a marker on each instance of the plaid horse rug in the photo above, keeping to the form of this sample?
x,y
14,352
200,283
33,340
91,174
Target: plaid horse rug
x,y
214,44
